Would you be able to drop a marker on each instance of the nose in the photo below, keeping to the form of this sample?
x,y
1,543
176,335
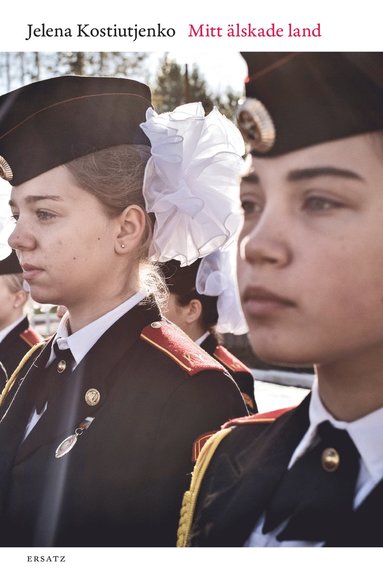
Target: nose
x,y
21,237
267,243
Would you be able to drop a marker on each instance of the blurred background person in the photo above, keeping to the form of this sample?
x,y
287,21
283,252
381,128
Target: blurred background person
x,y
207,314
16,334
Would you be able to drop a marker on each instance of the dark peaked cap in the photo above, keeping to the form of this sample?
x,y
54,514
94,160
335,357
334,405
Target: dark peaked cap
x,y
51,122
316,97
10,265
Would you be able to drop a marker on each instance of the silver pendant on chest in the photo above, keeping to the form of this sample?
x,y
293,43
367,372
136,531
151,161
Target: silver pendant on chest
x,y
68,443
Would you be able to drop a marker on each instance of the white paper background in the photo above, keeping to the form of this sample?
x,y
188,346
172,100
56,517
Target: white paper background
x,y
345,26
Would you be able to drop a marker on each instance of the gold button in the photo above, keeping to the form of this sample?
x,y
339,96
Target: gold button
x,y
156,325
61,366
92,397
330,459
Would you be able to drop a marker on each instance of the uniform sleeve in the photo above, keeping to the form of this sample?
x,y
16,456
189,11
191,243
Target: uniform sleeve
x,y
201,404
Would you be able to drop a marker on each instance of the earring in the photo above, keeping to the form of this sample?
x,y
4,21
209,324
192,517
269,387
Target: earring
x,y
122,245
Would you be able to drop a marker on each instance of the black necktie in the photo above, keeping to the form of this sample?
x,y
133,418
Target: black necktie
x,y
54,376
316,495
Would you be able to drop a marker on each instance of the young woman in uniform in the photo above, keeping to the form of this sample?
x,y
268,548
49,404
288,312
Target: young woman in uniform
x,y
311,283
97,430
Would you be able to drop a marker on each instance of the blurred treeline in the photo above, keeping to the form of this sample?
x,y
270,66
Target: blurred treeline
x,y
172,83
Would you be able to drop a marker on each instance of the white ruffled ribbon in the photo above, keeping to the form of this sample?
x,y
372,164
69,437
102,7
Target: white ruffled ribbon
x,y
191,182
217,276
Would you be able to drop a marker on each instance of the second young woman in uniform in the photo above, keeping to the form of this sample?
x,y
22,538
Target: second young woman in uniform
x,y
311,282
205,315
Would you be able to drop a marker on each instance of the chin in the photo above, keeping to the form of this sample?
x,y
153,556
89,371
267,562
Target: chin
x,y
43,297
279,355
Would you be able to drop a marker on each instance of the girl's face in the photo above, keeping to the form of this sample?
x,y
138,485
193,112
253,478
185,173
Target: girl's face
x,y
311,253
64,239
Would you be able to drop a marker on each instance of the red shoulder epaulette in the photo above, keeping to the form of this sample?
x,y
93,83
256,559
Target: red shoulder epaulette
x,y
229,360
199,443
172,341
268,417
30,336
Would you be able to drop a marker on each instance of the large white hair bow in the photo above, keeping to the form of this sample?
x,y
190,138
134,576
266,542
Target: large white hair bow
x,y
217,276
191,182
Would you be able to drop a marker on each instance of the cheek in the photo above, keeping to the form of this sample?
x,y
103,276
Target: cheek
x,y
344,294
246,276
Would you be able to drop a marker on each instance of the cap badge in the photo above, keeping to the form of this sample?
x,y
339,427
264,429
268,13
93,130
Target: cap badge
x,y
256,125
5,170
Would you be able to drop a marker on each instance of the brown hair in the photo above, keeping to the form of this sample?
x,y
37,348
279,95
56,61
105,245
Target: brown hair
x,y
376,139
115,176
209,315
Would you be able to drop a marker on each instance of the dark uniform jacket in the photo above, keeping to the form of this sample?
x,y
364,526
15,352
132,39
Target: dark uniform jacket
x,y
122,482
239,371
14,346
243,474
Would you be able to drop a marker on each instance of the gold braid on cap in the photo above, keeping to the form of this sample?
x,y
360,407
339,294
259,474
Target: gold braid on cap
x,y
5,170
256,125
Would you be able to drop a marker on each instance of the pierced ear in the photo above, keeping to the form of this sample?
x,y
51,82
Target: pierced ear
x,y
131,227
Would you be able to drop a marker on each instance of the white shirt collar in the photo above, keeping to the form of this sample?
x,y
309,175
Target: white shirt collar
x,y
81,342
366,433
7,329
200,340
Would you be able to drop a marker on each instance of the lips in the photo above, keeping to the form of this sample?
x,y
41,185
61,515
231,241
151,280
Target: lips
x,y
30,271
257,301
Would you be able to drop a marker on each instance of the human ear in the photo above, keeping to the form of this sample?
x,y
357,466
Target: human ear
x,y
194,311
131,227
20,299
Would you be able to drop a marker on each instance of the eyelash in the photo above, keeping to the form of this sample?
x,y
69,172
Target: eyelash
x,y
42,215
318,203
312,204
251,207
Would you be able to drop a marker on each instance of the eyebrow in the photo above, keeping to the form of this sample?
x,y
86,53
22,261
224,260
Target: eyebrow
x,y
36,198
309,173
251,178
312,172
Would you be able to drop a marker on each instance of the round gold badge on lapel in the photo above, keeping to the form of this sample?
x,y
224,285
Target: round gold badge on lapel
x,y
256,125
330,459
5,170
92,397
61,366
